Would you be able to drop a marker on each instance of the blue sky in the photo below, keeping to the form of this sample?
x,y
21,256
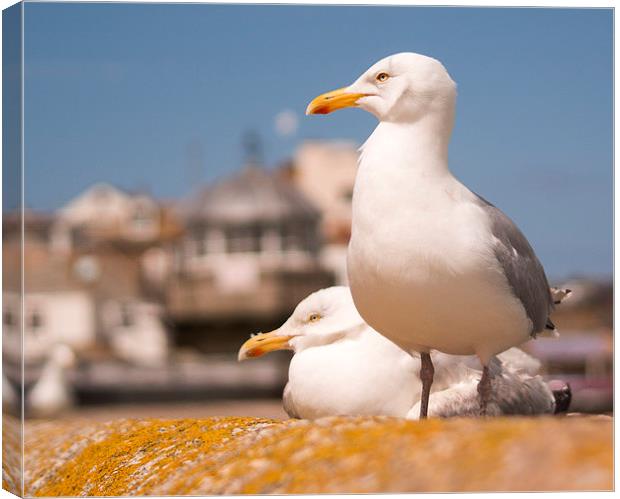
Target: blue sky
x,y
157,97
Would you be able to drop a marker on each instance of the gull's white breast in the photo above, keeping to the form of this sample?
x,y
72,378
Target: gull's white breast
x,y
421,265
365,375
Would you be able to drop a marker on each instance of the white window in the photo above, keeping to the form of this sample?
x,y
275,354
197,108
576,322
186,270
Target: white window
x,y
216,241
242,240
271,242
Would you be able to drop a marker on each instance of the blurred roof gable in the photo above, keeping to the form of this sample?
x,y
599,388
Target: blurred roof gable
x,y
253,195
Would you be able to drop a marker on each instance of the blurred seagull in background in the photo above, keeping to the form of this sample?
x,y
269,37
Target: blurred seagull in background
x,y
52,393
431,264
341,366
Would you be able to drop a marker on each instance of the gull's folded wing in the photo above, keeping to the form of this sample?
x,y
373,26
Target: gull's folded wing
x,y
522,269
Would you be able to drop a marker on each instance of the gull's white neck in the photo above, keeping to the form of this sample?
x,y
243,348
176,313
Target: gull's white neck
x,y
421,146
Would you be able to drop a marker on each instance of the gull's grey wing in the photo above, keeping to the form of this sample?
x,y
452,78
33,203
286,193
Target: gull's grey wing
x,y
516,394
560,294
522,268
511,394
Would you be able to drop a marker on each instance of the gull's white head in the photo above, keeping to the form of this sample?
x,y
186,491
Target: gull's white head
x,y
322,318
400,88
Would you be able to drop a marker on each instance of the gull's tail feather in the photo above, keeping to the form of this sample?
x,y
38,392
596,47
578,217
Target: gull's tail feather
x,y
560,294
562,395
550,330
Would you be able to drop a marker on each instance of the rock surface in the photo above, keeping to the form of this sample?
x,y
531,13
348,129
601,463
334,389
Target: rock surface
x,y
11,454
262,456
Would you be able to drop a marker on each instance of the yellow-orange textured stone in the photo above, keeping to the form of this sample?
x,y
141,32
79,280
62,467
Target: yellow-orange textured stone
x,y
261,456
11,454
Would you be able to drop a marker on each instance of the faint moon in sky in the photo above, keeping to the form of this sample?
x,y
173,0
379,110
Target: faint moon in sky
x,y
286,123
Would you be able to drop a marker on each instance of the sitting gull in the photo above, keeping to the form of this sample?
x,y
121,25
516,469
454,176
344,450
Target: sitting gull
x,y
431,264
341,366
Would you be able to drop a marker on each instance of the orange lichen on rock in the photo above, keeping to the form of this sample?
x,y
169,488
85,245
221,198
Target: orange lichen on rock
x,y
260,456
11,454
129,456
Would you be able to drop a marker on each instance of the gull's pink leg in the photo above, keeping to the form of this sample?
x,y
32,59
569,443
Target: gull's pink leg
x,y
427,371
484,390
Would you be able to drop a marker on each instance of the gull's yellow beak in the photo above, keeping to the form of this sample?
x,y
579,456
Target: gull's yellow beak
x,y
332,101
263,343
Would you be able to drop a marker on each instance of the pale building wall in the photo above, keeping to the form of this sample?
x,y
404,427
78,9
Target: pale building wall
x,y
325,173
63,316
111,212
135,332
99,204
334,257
11,324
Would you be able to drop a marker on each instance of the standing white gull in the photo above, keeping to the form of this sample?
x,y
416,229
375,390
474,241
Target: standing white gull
x,y
431,264
341,366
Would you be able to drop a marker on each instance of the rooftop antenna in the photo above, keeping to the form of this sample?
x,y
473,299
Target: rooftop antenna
x,y
252,148
195,160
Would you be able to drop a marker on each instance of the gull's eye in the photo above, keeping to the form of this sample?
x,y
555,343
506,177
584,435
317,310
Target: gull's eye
x,y
314,317
382,77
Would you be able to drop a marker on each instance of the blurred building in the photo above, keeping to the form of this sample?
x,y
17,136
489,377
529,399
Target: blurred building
x,y
583,354
87,296
590,305
106,213
584,359
249,254
324,171
80,300
154,299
